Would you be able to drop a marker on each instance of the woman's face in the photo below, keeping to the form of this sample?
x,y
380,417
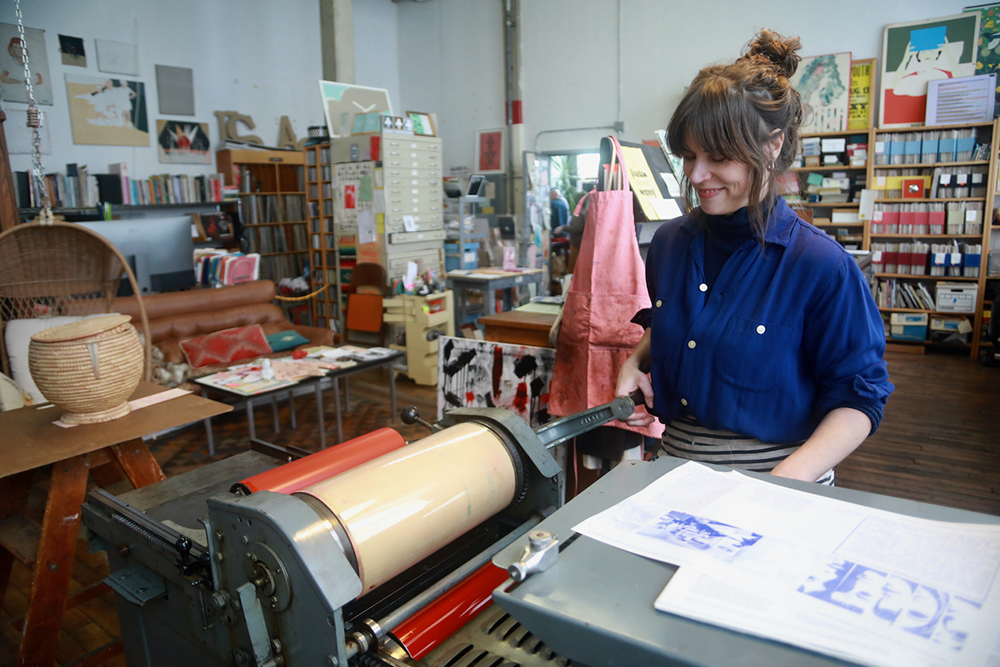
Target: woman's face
x,y
722,185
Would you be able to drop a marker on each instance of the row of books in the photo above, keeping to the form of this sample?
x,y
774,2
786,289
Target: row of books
x,y
261,178
78,188
922,259
324,172
276,267
215,268
932,183
928,146
950,218
892,293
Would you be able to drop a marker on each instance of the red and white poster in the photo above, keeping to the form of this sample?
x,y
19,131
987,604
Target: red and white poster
x,y
350,196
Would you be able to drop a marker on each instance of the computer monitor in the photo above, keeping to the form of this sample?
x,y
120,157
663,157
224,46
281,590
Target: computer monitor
x,y
159,250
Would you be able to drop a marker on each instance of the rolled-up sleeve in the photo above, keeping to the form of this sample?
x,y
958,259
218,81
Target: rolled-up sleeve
x,y
845,337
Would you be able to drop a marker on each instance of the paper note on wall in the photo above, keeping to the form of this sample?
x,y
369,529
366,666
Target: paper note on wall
x,y
366,226
641,181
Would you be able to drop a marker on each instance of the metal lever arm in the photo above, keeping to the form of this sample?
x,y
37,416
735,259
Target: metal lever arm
x,y
570,427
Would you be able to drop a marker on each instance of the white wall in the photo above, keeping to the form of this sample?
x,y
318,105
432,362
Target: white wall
x,y
452,58
257,57
376,48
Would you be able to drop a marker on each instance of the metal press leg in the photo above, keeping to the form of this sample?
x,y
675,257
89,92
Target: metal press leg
x,y
320,416
347,396
274,412
208,429
250,424
291,405
336,403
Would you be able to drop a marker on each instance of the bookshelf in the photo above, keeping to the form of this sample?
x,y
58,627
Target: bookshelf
x,y
824,193
324,256
949,207
272,193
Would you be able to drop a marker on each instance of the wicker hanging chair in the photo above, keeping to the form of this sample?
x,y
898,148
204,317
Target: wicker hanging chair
x,y
48,270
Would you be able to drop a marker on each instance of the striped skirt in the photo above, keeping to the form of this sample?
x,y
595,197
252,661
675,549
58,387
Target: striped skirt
x,y
686,438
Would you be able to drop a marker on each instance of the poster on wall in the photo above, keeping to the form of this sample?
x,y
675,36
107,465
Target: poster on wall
x,y
988,48
175,90
107,112
921,51
862,86
183,141
490,152
824,84
73,52
117,57
343,101
12,65
484,374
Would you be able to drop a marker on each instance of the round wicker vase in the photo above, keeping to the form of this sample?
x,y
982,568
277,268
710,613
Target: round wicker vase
x,y
88,368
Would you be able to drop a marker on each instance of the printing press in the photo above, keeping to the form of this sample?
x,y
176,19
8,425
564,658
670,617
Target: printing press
x,y
372,552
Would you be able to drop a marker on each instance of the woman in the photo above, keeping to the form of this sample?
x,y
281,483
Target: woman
x,y
764,344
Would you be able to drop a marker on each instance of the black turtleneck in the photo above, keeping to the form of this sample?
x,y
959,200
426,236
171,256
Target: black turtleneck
x,y
724,236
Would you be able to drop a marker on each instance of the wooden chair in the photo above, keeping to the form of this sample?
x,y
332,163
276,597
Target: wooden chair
x,y
50,270
368,286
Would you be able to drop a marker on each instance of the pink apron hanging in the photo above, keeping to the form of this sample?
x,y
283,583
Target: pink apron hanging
x,y
608,288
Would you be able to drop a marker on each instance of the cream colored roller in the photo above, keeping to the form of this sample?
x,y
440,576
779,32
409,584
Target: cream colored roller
x,y
404,506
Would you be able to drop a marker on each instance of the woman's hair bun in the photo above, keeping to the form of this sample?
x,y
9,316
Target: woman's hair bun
x,y
780,52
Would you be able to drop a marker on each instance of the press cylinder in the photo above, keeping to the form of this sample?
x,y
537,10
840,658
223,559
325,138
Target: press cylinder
x,y
401,507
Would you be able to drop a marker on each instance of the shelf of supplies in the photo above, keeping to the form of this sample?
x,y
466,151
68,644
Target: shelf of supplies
x,y
963,163
921,310
839,133
920,201
838,224
896,341
926,236
924,277
823,204
838,167
922,128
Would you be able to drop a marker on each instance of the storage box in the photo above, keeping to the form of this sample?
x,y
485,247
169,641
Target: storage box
x,y
469,259
949,329
956,297
908,326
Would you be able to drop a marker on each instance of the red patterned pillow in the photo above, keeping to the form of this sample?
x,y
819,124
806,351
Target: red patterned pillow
x,y
223,347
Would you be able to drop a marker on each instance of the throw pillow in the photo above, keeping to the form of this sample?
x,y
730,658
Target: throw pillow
x,y
223,347
285,340
17,337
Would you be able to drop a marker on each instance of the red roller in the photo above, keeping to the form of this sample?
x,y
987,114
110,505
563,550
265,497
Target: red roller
x,y
308,470
430,626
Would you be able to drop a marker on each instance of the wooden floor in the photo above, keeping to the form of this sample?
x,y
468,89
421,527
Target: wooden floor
x,y
939,442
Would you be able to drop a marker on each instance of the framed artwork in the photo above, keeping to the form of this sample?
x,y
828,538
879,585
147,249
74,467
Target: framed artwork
x,y
859,114
183,141
988,53
490,152
343,101
107,112
824,83
485,374
12,65
423,124
918,52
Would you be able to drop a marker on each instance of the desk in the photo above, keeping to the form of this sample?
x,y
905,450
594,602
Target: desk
x,y
486,280
332,377
518,327
30,440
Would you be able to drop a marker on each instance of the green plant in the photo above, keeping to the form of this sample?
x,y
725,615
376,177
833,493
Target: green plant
x,y
564,175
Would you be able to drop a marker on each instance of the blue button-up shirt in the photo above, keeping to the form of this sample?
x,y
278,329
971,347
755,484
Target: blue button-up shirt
x,y
788,332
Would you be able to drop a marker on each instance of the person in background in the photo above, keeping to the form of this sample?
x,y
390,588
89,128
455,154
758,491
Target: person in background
x,y
763,343
559,209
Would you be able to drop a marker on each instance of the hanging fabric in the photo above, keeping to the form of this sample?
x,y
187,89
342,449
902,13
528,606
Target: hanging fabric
x,y
608,288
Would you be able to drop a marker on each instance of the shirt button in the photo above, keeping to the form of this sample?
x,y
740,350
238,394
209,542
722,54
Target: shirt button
x,y
761,328
684,401
703,287
659,303
692,344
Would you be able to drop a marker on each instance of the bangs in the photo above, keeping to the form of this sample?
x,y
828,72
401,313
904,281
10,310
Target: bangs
x,y
708,116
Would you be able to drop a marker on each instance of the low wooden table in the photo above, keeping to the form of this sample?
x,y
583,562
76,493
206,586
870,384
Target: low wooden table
x,y
518,327
30,440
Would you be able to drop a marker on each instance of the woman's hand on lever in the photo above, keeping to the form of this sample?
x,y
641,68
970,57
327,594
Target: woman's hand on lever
x,y
632,377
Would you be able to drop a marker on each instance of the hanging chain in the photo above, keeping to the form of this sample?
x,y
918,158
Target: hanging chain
x,y
35,119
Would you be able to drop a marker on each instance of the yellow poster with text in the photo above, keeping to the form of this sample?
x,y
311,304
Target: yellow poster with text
x,y
860,96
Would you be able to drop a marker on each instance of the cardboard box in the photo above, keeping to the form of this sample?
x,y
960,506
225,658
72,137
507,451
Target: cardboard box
x,y
908,326
956,297
949,329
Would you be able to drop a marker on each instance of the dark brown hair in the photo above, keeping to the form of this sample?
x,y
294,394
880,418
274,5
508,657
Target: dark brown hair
x,y
735,111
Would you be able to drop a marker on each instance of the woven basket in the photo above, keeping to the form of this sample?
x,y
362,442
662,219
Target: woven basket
x,y
88,368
